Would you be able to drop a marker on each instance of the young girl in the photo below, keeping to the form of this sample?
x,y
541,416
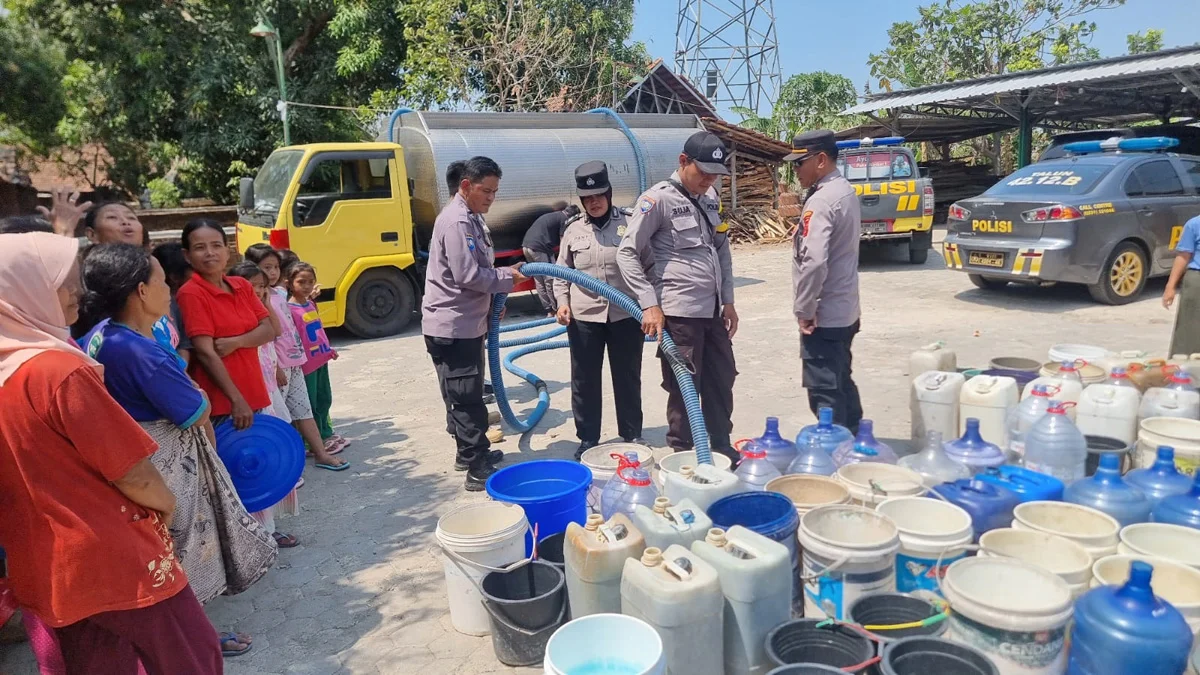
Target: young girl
x,y
301,279
289,352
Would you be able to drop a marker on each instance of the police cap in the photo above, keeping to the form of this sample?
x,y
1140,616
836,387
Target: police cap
x,y
809,143
708,152
591,178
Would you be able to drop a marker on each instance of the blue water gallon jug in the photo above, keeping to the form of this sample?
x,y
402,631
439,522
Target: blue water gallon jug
x,y
780,451
864,448
812,458
974,452
1121,630
1106,491
1028,485
1162,479
1181,509
990,506
831,435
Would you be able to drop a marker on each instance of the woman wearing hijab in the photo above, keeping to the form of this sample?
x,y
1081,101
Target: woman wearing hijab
x,y
589,245
86,518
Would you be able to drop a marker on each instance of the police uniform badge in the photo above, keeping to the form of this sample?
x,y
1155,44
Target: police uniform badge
x,y
645,205
807,217
470,242
620,230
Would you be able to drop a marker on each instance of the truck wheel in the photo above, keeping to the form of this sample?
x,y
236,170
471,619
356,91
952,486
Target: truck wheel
x,y
918,247
380,303
1123,276
987,283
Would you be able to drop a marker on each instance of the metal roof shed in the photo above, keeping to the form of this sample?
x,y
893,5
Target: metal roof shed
x,y
1109,92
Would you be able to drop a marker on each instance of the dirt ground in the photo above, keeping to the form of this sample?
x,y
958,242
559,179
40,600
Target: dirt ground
x,y
364,593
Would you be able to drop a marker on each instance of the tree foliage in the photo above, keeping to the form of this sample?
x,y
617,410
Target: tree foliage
x,y
806,101
31,101
1144,43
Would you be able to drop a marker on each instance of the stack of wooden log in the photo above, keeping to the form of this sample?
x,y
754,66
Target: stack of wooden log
x,y
757,226
954,180
756,185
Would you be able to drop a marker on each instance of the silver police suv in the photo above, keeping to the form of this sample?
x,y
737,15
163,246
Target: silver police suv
x,y
1107,215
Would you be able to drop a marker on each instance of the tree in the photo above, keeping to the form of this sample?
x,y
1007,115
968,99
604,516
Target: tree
x,y
31,99
1140,43
806,101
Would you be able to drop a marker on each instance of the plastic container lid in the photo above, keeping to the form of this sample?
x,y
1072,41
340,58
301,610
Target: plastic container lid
x,y
264,460
1027,484
974,452
1106,491
1161,479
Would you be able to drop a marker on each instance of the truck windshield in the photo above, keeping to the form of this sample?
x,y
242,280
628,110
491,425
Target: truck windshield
x,y
271,183
875,165
1053,180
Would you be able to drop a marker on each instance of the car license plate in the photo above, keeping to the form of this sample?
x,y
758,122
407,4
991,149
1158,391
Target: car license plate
x,y
987,259
874,227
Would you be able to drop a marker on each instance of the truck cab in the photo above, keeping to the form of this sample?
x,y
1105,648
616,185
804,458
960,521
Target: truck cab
x,y
897,201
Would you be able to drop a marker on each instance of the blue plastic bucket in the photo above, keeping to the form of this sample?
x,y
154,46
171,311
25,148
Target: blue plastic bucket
x,y
553,492
770,514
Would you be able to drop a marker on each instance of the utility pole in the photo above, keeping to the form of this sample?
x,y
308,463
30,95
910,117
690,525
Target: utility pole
x,y
730,51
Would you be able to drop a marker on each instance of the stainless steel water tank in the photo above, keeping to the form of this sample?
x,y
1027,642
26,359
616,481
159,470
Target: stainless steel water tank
x,y
538,153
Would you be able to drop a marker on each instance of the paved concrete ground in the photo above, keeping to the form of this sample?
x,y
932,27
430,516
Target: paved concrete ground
x,y
364,594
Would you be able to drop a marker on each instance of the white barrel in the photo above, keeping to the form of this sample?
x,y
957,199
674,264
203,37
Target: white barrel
x,y
808,491
1014,612
1076,352
1064,391
1060,555
1162,540
933,356
677,460
1176,583
1181,434
848,552
988,399
1094,530
933,534
475,539
934,403
604,466
600,643
871,483
1108,410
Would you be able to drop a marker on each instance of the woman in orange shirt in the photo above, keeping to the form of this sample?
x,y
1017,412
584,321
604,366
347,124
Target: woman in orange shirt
x,y
86,513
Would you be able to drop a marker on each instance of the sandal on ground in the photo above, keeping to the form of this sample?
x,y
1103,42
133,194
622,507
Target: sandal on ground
x,y
299,483
285,540
342,440
333,467
333,448
227,652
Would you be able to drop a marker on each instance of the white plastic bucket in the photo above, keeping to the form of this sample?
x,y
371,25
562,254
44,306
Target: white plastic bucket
x,y
600,460
848,552
807,491
676,460
1162,540
476,539
1067,559
933,534
605,644
871,483
1181,434
1094,530
1014,612
1177,584
1075,352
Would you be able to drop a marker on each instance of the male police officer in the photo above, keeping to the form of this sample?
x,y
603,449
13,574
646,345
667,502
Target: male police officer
x,y
459,284
825,277
686,285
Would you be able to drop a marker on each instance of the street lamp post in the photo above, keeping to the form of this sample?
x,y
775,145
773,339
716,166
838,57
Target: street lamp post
x,y
264,29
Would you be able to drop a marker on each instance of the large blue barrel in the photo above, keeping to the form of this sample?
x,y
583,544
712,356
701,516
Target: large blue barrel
x,y
553,492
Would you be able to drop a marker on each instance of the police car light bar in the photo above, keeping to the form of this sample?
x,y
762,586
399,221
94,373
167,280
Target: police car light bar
x,y
1118,144
870,142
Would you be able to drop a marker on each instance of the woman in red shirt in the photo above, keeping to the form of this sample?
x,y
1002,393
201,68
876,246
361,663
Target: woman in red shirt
x,y
85,512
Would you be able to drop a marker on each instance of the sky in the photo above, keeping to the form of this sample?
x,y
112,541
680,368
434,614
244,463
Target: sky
x,y
810,38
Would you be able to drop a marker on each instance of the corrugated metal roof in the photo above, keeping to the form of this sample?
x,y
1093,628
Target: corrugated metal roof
x,y
1164,62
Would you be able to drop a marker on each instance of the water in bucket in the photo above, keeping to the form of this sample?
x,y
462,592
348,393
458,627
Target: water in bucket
x,y
932,463
864,448
595,556
630,647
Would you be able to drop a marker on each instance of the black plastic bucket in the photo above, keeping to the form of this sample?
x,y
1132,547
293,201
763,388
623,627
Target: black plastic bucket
x,y
921,655
550,550
526,605
1103,445
806,669
800,641
889,609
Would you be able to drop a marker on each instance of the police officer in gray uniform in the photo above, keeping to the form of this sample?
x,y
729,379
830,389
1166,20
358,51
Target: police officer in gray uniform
x,y
459,283
825,277
675,258
589,244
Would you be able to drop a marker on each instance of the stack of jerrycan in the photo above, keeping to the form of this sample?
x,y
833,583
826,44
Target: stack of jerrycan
x,y
1178,397
1055,447
757,582
702,484
1022,418
934,403
1065,385
988,399
679,595
1110,410
1106,491
594,555
779,450
665,525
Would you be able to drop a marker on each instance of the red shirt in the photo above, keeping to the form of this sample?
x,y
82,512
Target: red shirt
x,y
209,311
76,546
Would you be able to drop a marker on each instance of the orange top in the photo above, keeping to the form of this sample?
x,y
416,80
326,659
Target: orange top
x,y
76,546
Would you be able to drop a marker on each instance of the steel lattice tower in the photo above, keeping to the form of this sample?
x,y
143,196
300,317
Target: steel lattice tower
x,y
729,50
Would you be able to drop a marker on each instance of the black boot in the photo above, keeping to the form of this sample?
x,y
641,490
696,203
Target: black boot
x,y
584,447
493,457
478,475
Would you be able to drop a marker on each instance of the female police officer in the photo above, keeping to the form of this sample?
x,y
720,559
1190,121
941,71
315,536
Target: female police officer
x,y
589,244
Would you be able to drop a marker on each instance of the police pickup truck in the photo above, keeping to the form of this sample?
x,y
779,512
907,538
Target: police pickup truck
x,y
897,202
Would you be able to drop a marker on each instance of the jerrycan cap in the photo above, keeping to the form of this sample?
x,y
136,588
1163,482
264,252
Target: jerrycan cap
x,y
1070,367
1119,373
749,450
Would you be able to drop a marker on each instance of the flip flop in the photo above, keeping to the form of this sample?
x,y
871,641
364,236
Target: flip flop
x,y
300,483
342,440
333,447
232,637
333,467
285,540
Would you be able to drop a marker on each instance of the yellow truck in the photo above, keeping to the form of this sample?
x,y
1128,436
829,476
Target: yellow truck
x,y
362,213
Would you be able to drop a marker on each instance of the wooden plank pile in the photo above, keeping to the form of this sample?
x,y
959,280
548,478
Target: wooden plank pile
x,y
757,226
954,180
756,185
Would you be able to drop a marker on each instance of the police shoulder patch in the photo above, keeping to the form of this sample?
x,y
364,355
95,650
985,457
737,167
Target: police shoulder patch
x,y
646,204
807,217
470,242
722,228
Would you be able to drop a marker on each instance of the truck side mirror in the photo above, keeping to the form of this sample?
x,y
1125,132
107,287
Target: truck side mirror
x,y
246,194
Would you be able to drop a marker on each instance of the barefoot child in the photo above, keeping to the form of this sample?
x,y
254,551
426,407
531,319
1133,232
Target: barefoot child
x,y
301,280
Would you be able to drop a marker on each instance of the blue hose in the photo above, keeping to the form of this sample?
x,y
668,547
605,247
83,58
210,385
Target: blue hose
x,y
392,122
638,153
683,375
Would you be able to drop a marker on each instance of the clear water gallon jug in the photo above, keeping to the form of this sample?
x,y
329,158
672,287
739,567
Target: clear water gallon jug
x,y
933,464
755,470
1022,418
1161,479
864,448
780,451
933,356
974,452
1181,509
1177,398
1055,447
831,435
812,458
1127,629
630,487
1119,377
1106,491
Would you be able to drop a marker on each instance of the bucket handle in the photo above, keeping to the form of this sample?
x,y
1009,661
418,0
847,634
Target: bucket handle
x,y
459,560
562,613
836,564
